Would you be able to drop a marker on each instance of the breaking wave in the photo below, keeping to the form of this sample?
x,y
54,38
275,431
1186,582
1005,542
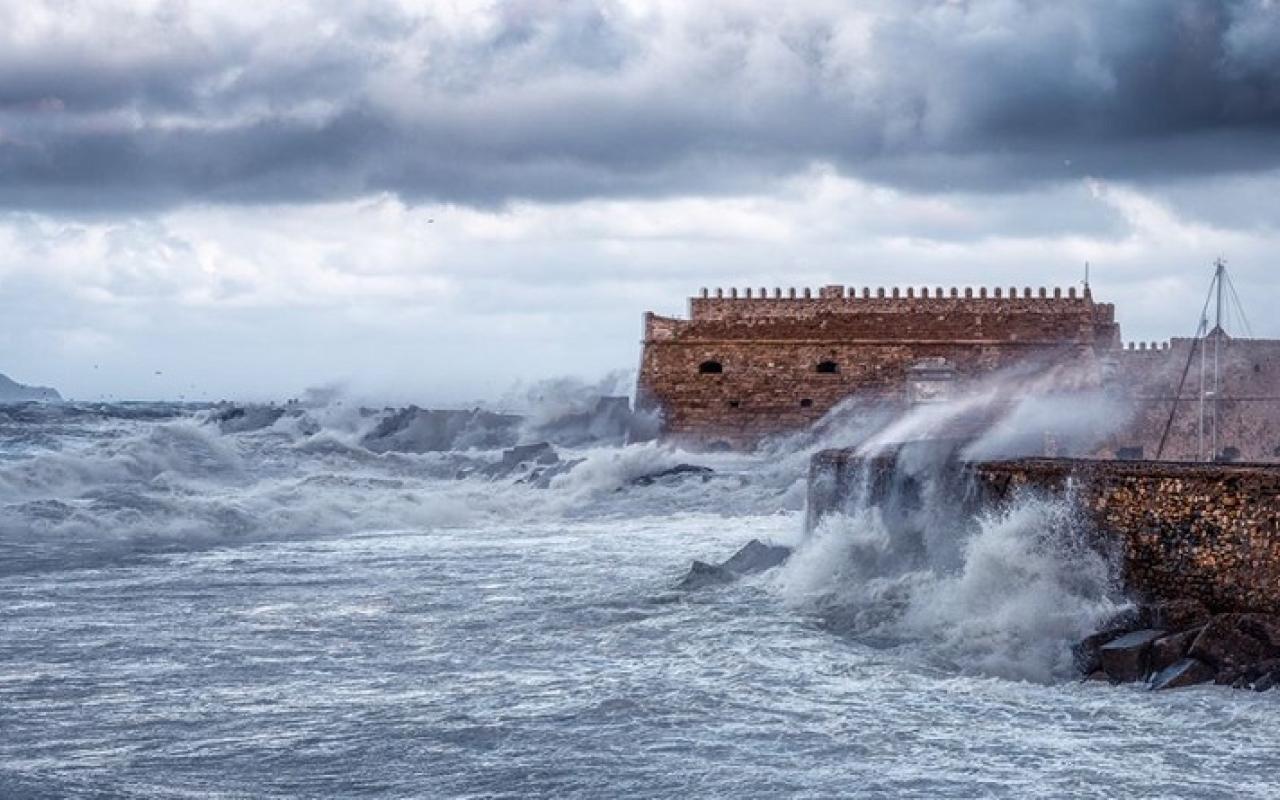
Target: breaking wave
x,y
1007,597
1003,594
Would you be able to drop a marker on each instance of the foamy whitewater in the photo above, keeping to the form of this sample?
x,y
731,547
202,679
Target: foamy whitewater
x,y
273,609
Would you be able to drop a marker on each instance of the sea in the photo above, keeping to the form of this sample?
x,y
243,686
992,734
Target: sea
x,y
276,610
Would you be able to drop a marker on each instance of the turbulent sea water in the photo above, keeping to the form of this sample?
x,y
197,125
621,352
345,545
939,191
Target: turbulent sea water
x,y
280,612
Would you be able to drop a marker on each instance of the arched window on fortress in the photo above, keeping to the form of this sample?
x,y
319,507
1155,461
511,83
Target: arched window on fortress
x,y
827,367
710,368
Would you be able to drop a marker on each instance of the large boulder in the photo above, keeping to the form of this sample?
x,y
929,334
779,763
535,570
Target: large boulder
x,y
1169,650
702,575
1087,654
537,453
522,458
1185,672
1231,642
673,475
756,556
541,477
1126,658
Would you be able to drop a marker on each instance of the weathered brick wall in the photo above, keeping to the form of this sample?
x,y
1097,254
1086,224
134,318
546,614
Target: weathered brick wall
x,y
769,348
1203,531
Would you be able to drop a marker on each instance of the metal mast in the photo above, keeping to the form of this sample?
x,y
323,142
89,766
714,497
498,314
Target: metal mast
x,y
1219,274
1217,287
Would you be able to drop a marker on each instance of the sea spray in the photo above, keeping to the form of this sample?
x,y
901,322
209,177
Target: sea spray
x,y
1005,593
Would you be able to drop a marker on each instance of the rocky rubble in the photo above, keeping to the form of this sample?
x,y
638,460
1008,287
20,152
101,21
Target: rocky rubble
x,y
1180,643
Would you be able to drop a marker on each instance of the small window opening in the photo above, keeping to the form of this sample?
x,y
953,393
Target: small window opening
x,y
735,403
806,403
710,368
828,367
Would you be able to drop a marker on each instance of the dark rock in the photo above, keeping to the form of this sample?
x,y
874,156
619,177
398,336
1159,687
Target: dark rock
x,y
1125,658
609,421
1227,645
1230,677
417,430
677,472
540,477
1250,675
756,556
1186,672
530,459
243,419
1126,621
702,575
1267,681
1168,650
1087,653
1263,627
539,453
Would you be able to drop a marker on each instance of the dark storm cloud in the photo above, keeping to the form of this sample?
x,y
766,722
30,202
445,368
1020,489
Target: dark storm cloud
x,y
552,101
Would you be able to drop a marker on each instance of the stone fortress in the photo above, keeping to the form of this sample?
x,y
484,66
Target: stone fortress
x,y
1197,545
749,364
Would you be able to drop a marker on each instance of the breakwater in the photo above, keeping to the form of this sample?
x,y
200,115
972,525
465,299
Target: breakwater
x,y
1206,532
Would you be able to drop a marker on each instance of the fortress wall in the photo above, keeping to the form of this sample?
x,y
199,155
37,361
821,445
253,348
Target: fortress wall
x,y
1210,532
769,344
769,350
764,385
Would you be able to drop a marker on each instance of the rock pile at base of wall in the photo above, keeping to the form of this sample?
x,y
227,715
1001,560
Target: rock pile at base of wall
x,y
1179,643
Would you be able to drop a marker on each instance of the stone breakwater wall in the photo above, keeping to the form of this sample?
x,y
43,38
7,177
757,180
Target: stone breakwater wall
x,y
1205,532
1182,531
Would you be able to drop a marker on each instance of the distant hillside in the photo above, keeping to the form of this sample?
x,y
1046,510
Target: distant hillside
x,y
11,391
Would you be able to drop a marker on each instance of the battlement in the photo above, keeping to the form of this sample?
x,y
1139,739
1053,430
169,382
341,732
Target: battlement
x,y
1146,347
749,303
838,291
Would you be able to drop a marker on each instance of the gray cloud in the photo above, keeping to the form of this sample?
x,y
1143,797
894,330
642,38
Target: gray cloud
x,y
560,101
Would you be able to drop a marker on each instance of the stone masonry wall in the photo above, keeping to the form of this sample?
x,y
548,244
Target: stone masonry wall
x,y
1209,532
1200,531
769,350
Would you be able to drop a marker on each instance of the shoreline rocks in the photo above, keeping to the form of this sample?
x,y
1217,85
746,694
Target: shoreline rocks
x,y
673,474
1180,643
753,557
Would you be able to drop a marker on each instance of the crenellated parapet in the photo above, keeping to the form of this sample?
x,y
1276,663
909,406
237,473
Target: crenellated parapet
x,y
753,302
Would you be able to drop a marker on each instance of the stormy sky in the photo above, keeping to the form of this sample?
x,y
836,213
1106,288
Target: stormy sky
x,y
428,201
